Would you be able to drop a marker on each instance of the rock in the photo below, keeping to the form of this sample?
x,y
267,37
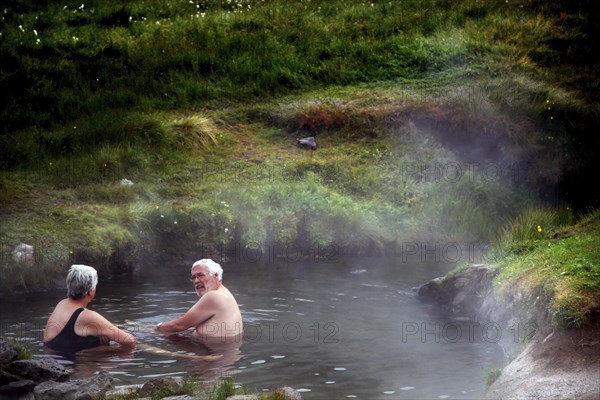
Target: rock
x,y
243,397
23,253
123,391
560,365
462,293
39,370
77,389
168,383
7,377
8,352
126,182
432,290
308,142
17,390
181,397
288,393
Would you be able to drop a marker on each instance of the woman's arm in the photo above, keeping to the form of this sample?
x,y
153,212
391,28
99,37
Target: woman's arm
x,y
90,323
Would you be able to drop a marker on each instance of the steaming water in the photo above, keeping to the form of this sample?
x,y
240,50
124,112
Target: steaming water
x,y
332,330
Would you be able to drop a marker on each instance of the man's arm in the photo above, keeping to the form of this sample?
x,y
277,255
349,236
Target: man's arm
x,y
202,311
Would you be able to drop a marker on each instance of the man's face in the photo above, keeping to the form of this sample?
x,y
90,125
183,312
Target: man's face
x,y
203,282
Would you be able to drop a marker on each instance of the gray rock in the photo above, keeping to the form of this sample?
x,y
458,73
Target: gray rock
x,y
243,397
8,352
77,389
462,293
39,370
17,390
123,391
7,377
288,393
173,384
23,253
432,290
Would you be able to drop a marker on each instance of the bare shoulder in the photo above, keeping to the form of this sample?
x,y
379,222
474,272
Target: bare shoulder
x,y
213,296
90,316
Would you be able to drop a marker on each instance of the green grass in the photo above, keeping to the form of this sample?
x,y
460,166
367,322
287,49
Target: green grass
x,y
377,180
557,262
200,105
71,60
220,389
491,375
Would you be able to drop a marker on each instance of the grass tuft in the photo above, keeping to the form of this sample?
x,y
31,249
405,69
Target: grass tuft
x,y
194,133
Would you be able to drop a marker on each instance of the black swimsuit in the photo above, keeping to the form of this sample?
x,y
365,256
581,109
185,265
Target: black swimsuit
x,y
69,342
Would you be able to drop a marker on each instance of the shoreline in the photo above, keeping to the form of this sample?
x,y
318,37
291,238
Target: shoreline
x,y
559,365
548,362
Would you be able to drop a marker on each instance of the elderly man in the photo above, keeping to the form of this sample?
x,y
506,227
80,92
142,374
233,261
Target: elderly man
x,y
216,315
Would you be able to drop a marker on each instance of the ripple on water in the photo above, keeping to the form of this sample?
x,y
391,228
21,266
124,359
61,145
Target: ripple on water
x,y
120,373
304,300
161,375
358,271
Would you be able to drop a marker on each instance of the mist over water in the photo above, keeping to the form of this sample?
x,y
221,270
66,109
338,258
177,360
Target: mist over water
x,y
333,330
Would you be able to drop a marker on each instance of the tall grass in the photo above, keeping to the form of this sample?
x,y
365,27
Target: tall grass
x,y
550,260
175,95
76,59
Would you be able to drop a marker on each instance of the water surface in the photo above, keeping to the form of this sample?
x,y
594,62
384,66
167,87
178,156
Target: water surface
x,y
344,329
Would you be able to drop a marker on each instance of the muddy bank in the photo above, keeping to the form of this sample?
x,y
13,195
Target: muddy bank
x,y
546,362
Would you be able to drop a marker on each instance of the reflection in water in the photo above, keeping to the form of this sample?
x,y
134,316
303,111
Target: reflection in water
x,y
332,330
226,349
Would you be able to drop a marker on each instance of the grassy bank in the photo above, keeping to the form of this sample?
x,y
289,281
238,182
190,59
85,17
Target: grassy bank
x,y
436,123
551,262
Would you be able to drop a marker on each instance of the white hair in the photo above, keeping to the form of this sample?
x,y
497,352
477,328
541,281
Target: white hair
x,y
80,280
213,267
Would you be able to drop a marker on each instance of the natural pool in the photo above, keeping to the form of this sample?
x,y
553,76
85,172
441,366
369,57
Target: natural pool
x,y
345,329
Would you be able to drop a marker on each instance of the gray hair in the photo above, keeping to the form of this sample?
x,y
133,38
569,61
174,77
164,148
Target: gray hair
x,y
80,280
213,267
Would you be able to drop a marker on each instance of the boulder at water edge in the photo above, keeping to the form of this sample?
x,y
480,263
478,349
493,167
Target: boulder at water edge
x,y
76,389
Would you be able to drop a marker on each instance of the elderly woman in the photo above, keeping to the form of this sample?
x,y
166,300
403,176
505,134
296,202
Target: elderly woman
x,y
72,327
